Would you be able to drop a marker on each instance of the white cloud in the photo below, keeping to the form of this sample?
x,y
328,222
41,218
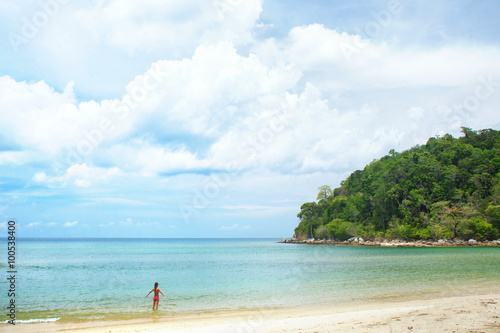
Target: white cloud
x,y
12,157
70,224
40,177
149,159
191,99
34,224
106,43
80,175
51,224
184,24
129,222
286,106
320,54
39,118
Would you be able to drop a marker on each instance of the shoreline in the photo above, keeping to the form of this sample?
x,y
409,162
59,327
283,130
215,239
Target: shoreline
x,y
477,312
393,242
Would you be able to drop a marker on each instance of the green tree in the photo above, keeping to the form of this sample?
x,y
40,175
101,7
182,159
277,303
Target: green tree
x,y
493,215
324,193
309,213
452,218
479,229
340,229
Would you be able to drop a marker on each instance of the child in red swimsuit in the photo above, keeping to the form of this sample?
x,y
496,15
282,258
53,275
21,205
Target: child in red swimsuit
x,y
156,298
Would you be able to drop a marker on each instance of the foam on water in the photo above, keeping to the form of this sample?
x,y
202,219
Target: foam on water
x,y
30,321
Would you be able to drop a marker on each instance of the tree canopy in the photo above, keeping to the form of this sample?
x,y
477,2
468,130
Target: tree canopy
x,y
447,188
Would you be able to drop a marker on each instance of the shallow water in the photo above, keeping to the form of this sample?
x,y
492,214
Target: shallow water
x,y
85,279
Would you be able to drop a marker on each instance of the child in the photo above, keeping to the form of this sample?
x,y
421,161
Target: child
x,y
156,298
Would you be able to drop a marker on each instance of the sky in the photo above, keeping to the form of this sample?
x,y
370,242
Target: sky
x,y
220,118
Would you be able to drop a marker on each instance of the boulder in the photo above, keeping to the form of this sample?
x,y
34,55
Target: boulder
x,y
472,241
283,240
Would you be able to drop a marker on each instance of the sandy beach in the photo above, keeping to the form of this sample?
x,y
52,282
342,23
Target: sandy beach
x,y
457,314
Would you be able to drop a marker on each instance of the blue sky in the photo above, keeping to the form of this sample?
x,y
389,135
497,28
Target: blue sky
x,y
220,118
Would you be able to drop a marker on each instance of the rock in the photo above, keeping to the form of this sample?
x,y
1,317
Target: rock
x,y
283,240
472,241
361,240
441,241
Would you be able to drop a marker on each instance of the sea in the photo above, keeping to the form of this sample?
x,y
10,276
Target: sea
x,y
79,280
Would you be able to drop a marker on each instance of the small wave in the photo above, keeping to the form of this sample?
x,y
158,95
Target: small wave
x,y
96,317
29,321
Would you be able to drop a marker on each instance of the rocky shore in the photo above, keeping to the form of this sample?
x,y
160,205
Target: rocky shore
x,y
392,242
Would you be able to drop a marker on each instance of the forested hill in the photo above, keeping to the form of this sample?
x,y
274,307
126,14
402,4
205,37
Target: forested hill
x,y
447,188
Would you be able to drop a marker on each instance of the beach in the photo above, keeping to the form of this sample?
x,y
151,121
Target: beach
x,y
478,313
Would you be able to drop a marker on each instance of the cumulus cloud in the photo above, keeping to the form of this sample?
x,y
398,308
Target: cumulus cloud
x,y
39,117
343,61
150,159
34,224
289,106
70,224
107,43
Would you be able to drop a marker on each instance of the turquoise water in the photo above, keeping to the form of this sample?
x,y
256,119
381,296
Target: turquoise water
x,y
85,279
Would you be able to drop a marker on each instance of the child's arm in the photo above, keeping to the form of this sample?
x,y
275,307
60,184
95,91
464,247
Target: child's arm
x,y
162,293
149,292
